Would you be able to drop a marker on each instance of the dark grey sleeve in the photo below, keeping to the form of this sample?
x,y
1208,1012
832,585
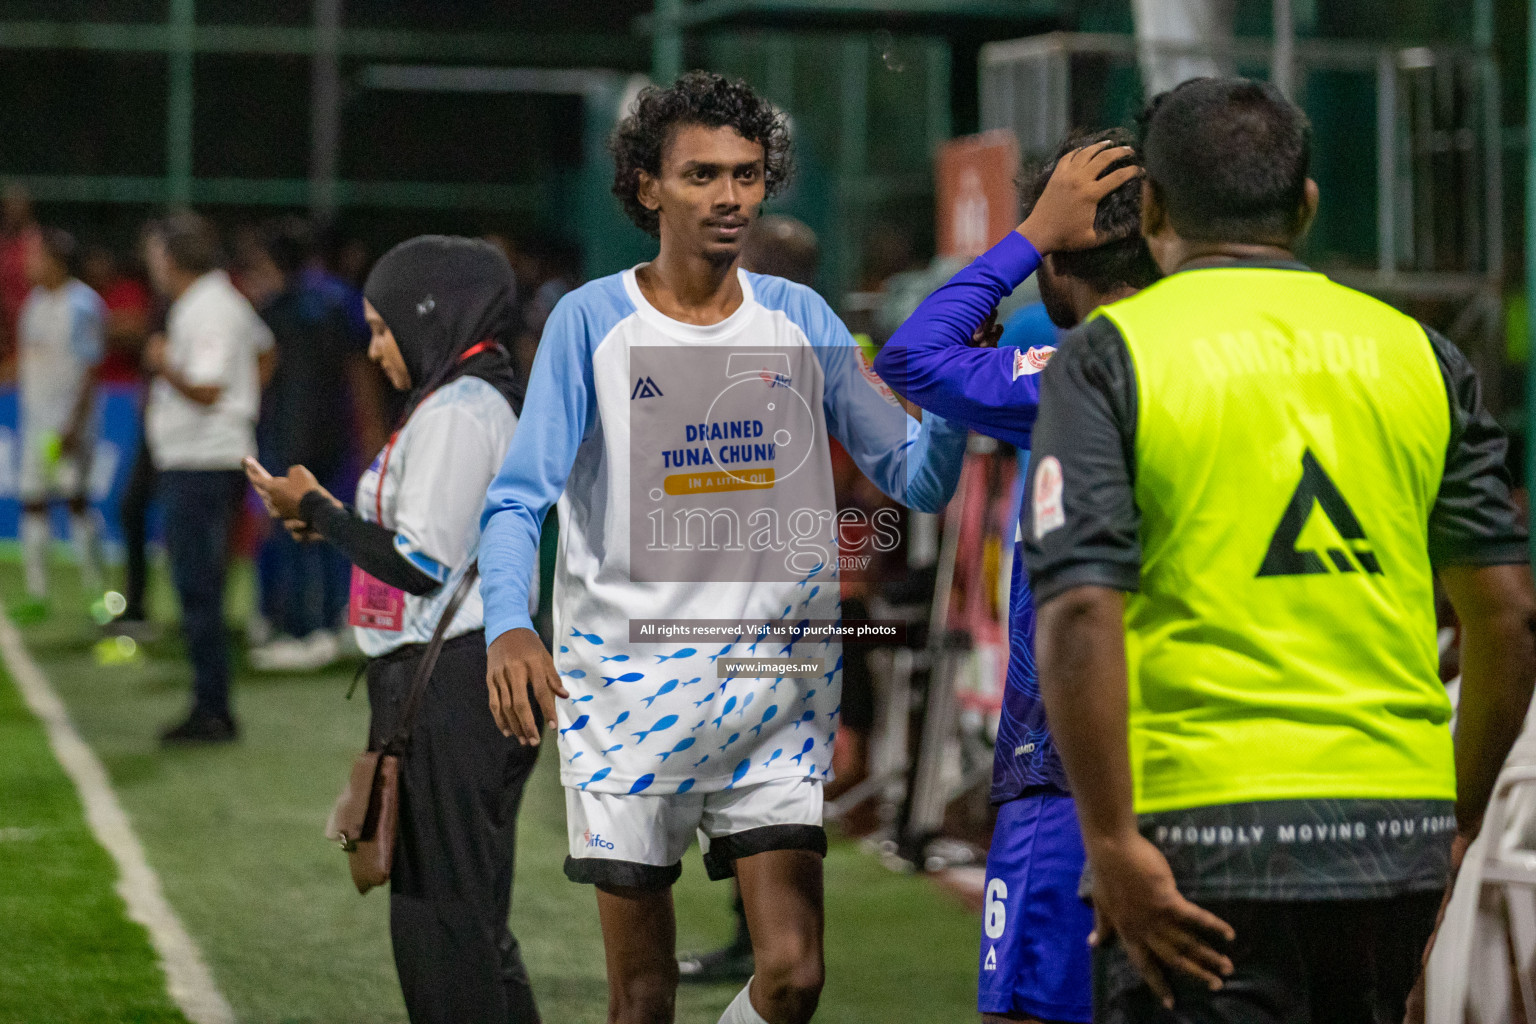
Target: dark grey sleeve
x,y
1475,520
1081,525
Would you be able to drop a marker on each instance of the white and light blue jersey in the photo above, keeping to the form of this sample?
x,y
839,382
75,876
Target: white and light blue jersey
x,y
433,490
62,333
623,414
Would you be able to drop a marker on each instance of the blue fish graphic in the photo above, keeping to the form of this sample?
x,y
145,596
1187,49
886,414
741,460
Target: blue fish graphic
x,y
581,700
618,721
701,760
743,709
706,700
627,677
814,591
685,787
775,687
693,680
699,726
808,695
641,784
717,654
787,609
753,648
773,709
576,673
616,746
773,757
807,717
682,745
686,652
576,724
666,689
812,574
831,737
574,756
729,705
734,737
835,711
797,636
564,649
665,722
809,743
614,657
591,638
835,669
740,771
597,776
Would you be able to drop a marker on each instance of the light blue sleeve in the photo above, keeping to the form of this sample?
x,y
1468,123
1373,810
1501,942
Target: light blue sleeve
x,y
916,464
560,411
88,333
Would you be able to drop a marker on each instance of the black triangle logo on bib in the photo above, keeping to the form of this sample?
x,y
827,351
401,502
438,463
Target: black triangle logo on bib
x,y
1317,489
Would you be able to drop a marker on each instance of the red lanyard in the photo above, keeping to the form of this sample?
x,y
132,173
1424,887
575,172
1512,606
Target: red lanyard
x,y
378,494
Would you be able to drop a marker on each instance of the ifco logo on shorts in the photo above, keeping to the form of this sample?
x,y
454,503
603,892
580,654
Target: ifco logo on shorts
x,y
596,839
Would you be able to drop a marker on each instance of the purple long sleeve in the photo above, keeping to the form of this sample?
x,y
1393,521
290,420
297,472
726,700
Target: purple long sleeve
x,y
929,360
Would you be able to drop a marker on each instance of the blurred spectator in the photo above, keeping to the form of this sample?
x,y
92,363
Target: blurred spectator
x,y
201,422
139,491
61,339
303,586
18,230
781,246
129,305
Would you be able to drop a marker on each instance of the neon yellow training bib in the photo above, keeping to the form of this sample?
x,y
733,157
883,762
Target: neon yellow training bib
x,y
1290,438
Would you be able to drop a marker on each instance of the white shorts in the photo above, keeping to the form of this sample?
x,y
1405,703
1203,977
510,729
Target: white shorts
x,y
638,841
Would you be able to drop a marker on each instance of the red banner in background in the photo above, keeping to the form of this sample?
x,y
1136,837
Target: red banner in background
x,y
977,201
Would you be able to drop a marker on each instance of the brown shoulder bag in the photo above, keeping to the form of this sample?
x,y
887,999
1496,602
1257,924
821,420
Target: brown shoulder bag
x,y
367,813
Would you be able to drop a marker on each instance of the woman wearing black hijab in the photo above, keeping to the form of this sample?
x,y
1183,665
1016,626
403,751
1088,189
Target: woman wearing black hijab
x,y
440,310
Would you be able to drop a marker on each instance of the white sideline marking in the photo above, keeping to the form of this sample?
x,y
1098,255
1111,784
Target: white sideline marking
x,y
187,978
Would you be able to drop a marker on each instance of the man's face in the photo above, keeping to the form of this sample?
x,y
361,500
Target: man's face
x,y
1056,295
710,189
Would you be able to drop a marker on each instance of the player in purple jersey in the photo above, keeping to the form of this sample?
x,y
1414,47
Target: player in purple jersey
x,y
1082,210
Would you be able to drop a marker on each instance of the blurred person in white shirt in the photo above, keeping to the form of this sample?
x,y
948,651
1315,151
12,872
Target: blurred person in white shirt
x,y
201,422
60,331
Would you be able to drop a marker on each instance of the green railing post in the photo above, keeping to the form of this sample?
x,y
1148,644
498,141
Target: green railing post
x,y
1530,266
667,42
178,103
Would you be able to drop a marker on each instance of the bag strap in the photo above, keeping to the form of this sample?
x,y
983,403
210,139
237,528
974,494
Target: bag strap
x,y
397,743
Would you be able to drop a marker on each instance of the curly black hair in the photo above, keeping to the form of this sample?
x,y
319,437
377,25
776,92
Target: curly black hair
x,y
702,98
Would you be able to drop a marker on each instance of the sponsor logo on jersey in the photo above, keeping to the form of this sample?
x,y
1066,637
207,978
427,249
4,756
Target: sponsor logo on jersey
x,y
596,839
1031,361
645,388
1317,490
774,379
1048,510
867,371
991,964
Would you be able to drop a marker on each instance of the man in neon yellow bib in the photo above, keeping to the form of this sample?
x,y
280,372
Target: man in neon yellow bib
x,y
1246,478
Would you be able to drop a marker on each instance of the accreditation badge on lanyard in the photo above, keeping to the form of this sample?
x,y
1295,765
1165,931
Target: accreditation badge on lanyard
x,y
374,604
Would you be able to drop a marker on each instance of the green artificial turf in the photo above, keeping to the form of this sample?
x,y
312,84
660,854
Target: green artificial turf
x,y
67,952
235,835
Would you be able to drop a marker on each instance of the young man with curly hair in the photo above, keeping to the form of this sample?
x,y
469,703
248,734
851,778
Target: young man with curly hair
x,y
674,409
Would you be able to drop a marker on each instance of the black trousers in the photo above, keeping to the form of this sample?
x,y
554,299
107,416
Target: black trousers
x,y
451,890
1324,962
134,512
200,510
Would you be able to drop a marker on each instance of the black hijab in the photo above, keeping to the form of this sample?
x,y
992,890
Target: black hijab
x,y
442,295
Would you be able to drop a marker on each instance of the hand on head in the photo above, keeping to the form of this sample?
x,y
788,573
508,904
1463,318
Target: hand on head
x,y
1063,218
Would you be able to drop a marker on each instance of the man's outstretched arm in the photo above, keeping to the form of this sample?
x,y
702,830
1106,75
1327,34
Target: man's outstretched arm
x,y
930,360
558,413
